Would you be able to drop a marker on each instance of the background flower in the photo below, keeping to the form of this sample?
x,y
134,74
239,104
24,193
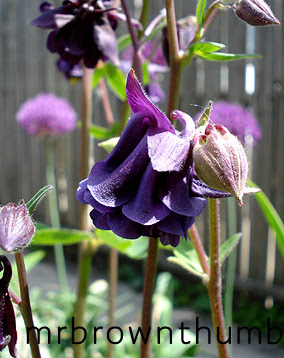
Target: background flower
x,y
239,120
47,114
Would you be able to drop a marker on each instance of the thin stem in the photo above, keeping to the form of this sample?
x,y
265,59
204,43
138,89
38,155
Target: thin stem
x,y
86,249
175,60
215,283
14,297
149,284
231,266
54,213
135,42
113,263
144,16
195,238
106,103
25,306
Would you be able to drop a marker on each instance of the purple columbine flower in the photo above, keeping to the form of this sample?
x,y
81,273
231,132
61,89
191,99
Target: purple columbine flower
x,y
46,115
237,119
16,227
147,185
8,332
82,30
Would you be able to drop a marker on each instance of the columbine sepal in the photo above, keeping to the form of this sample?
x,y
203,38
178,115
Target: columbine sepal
x,y
220,161
255,13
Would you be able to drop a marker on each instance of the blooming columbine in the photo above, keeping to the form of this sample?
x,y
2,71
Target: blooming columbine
x,y
47,114
81,29
237,119
8,333
16,227
147,185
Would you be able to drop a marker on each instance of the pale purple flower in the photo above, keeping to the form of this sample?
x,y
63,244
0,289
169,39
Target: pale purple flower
x,y
8,332
46,115
147,185
237,119
16,227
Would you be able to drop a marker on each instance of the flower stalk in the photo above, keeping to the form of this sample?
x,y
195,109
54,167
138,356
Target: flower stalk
x,y
195,238
86,250
54,214
149,284
25,305
215,282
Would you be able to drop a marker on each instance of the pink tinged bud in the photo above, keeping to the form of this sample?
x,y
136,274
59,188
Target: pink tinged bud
x,y
255,12
16,227
220,161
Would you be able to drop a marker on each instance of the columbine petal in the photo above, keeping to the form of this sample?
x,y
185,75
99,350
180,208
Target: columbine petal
x,y
167,151
99,220
145,208
176,224
139,102
123,226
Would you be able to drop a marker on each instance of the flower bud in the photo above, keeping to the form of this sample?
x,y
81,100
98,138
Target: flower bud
x,y
255,12
16,227
220,160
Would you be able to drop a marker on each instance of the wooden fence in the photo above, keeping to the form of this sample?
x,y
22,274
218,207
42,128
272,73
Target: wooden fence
x,y
28,68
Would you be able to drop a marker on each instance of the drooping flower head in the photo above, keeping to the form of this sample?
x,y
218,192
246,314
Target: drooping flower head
x,y
237,119
147,185
82,30
47,115
255,12
8,332
16,227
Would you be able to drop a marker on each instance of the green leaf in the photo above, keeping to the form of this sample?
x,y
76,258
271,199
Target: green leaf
x,y
99,73
116,80
123,42
216,56
102,133
200,9
135,249
228,246
53,236
186,257
205,47
35,200
145,73
109,144
272,217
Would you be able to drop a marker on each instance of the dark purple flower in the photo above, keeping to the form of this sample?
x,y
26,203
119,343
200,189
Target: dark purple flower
x,y
255,12
237,119
16,227
71,72
8,332
47,114
81,29
147,185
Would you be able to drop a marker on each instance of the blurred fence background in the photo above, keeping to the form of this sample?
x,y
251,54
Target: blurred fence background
x,y
28,68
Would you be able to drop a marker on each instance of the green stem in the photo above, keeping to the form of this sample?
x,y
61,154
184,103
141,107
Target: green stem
x,y
54,213
144,16
195,238
86,250
175,60
149,285
113,264
215,281
25,306
231,268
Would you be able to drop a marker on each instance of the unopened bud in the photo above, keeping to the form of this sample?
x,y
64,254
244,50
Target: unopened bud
x,y
16,227
220,160
255,12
